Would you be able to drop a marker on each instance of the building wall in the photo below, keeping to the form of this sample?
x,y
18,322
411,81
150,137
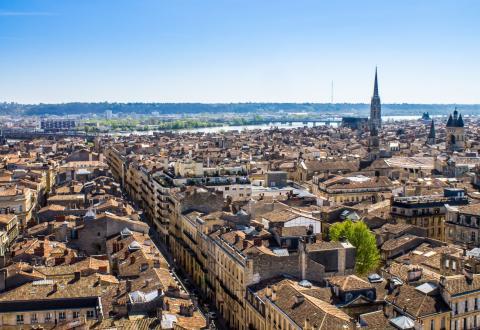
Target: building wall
x,y
28,317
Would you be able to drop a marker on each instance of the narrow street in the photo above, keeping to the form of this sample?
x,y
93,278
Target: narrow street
x,y
182,279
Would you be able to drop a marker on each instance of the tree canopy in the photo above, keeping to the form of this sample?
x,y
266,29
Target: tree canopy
x,y
358,234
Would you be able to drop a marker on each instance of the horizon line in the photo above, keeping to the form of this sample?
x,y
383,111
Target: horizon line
x,y
231,102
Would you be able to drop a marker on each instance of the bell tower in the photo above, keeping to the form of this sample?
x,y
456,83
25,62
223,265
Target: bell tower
x,y
455,130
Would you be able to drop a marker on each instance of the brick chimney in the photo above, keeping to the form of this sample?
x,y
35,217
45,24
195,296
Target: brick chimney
x,y
274,294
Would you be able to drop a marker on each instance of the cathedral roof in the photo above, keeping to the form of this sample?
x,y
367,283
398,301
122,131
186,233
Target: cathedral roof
x,y
431,134
456,120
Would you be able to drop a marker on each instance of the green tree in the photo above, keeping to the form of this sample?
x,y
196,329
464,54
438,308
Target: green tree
x,y
358,234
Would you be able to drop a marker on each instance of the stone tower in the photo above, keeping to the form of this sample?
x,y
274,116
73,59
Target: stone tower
x,y
375,106
455,132
431,140
373,144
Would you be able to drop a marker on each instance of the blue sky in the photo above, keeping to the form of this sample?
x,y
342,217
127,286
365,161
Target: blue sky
x,y
427,51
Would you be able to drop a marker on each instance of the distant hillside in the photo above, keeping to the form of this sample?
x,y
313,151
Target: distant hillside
x,y
258,108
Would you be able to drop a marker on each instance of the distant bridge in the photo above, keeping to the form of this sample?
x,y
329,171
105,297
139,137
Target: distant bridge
x,y
326,121
26,134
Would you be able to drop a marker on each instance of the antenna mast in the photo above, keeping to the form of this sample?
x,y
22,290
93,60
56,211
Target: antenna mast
x,y
331,97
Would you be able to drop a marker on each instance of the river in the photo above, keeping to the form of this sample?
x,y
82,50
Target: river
x,y
254,127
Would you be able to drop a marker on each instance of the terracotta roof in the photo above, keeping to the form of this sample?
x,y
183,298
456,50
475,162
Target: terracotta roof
x,y
375,321
395,243
416,303
6,218
473,209
349,283
320,313
458,284
90,286
280,216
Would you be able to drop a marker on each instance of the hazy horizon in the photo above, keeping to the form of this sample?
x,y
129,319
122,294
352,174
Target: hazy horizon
x,y
213,51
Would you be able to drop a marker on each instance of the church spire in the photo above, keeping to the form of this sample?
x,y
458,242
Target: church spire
x,y
375,86
431,135
375,106
432,130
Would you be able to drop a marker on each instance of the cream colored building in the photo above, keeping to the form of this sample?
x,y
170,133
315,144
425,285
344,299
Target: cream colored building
x,y
21,200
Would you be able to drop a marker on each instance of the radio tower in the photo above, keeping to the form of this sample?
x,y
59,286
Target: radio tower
x,y
331,96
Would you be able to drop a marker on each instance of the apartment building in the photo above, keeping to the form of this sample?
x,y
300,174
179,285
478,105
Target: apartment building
x,y
463,225
20,200
349,190
287,304
10,227
427,211
55,301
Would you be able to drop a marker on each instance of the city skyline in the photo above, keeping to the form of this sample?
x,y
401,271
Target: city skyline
x,y
222,52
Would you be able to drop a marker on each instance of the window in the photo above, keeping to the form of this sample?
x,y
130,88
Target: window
x,y
90,314
20,319
48,317
62,316
76,315
454,265
33,318
432,324
472,236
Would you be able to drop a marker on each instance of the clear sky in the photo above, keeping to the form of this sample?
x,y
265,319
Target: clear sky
x,y
427,51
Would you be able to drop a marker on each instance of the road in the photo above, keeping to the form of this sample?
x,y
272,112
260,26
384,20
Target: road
x,y
185,282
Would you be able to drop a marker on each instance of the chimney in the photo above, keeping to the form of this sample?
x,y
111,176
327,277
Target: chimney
x,y
3,279
147,283
442,281
299,299
274,294
166,305
414,274
54,288
268,291
306,326
77,276
50,227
